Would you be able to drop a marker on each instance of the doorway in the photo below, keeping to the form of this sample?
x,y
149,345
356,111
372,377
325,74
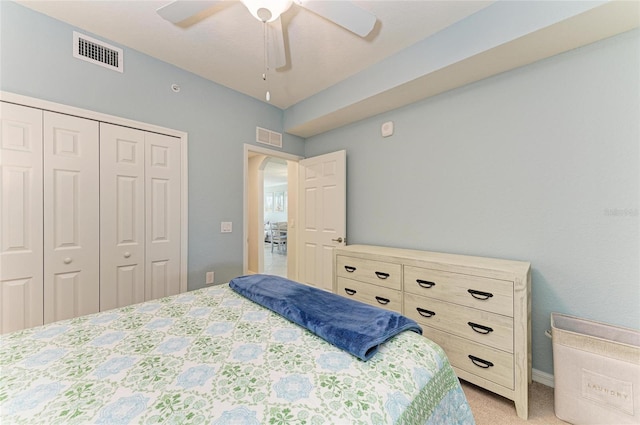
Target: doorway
x,y
315,186
270,197
275,187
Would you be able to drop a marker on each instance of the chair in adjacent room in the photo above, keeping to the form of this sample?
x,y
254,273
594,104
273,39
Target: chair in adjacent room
x,y
279,236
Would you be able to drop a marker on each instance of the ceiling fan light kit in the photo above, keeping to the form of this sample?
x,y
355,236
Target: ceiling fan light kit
x,y
267,11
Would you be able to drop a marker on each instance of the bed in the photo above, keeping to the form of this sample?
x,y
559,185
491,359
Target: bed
x,y
213,356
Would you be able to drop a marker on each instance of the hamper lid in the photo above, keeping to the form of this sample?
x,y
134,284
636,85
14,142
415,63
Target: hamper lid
x,y
596,337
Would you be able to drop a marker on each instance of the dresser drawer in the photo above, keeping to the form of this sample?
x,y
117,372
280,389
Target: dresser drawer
x,y
483,327
485,362
478,292
377,272
378,296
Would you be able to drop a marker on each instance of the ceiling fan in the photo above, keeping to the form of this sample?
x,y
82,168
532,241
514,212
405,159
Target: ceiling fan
x,y
342,13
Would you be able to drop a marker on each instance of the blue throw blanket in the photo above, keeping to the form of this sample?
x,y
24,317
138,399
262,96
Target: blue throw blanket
x,y
353,326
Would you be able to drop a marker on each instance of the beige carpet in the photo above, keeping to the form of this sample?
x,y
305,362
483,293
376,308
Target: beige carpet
x,y
491,409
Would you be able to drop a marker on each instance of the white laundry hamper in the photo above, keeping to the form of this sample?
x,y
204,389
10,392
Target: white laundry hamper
x,y
596,371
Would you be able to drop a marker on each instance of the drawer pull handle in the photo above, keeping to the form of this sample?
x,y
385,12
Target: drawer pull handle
x,y
425,313
425,283
485,364
382,275
350,291
350,269
479,295
382,301
480,328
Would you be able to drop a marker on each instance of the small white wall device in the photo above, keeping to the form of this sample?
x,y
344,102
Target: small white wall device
x,y
387,129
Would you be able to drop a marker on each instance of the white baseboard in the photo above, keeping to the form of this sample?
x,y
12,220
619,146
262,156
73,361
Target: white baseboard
x,y
542,377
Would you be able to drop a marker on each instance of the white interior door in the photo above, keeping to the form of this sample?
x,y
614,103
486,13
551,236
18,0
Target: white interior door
x,y
323,218
71,217
162,206
20,217
122,216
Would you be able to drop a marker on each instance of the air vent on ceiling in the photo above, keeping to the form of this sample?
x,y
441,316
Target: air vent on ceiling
x,y
98,52
268,137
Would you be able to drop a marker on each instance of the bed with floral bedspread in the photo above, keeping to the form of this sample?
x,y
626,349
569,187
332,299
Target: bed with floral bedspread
x,y
213,357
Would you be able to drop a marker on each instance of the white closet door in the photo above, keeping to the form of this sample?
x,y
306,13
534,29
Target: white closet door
x,y
121,216
162,193
71,217
20,217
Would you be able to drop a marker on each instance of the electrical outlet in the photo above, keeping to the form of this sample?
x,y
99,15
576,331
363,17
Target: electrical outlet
x,y
226,227
210,276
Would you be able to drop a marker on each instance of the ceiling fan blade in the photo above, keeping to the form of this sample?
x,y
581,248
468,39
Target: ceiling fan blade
x,y
178,11
277,55
344,13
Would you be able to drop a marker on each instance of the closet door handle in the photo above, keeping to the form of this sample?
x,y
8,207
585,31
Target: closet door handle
x,y
382,275
350,291
480,328
67,260
425,313
485,364
127,254
425,283
382,301
350,269
479,295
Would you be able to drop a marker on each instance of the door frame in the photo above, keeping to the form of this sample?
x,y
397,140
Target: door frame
x,y
111,119
292,178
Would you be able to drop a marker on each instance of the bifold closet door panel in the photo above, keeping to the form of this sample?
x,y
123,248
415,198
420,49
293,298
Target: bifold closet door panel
x,y
71,217
122,216
21,292
162,202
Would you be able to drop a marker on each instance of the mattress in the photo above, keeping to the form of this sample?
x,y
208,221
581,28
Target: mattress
x,y
212,356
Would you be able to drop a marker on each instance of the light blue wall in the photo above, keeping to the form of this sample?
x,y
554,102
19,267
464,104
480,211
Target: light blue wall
x,y
36,60
538,164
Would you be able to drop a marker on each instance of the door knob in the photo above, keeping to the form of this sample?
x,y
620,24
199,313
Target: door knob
x,y
127,254
339,240
67,260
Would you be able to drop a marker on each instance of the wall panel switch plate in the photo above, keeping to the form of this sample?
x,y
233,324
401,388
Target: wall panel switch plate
x,y
226,227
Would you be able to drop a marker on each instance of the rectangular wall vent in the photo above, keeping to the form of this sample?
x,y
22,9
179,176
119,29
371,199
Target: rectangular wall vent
x,y
95,51
268,137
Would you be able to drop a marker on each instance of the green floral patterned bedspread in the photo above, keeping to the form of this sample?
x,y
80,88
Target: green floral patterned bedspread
x,y
211,356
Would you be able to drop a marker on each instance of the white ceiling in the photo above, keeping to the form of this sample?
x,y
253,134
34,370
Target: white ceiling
x,y
225,44
275,172
418,48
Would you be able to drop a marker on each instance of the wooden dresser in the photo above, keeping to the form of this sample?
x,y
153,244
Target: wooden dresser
x,y
477,309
